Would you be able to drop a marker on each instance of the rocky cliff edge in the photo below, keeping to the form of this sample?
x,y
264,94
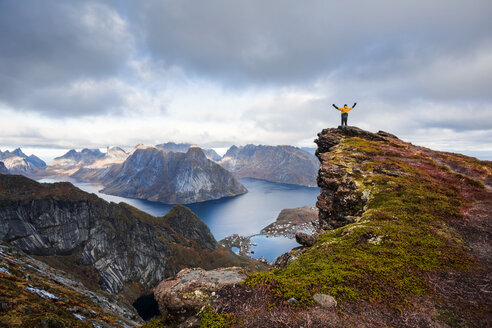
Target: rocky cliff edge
x,y
405,241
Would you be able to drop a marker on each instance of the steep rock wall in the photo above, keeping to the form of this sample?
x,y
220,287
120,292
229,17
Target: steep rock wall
x,y
340,199
121,243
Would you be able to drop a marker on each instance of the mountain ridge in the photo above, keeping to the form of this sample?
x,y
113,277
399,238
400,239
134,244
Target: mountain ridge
x,y
175,178
183,148
281,164
17,162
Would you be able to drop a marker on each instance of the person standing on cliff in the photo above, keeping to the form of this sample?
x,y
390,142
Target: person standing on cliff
x,y
345,109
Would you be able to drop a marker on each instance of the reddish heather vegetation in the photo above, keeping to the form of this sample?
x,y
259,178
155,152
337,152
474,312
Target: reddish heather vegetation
x,y
405,242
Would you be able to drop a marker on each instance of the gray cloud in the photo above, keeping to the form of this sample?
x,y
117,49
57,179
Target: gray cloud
x,y
244,71
48,45
290,42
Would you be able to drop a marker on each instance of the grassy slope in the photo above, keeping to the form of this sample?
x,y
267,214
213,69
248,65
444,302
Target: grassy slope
x,y
406,234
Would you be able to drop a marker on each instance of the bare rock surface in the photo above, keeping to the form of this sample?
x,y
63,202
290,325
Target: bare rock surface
x,y
325,301
306,239
339,199
183,295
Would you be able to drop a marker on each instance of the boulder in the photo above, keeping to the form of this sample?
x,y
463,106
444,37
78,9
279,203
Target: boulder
x,y
325,301
306,239
183,295
286,258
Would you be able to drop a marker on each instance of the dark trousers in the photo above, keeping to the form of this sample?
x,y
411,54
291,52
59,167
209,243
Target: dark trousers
x,y
344,118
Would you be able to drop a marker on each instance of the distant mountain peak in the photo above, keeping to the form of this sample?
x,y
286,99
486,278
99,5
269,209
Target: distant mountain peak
x,y
174,178
283,164
94,151
3,169
115,149
19,163
196,153
183,148
18,152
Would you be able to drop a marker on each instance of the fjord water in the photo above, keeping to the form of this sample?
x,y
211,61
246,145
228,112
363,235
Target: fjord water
x,y
245,214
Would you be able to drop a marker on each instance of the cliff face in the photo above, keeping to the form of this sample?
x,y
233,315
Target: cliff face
x,y
118,243
283,164
341,199
174,178
405,241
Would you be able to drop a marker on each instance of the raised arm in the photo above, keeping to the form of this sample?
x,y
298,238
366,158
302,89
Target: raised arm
x,y
335,106
354,105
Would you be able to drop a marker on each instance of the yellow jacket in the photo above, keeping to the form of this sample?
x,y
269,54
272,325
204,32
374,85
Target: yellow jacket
x,y
345,109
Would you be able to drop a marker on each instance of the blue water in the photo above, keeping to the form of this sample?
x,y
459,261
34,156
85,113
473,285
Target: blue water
x,y
245,214
271,247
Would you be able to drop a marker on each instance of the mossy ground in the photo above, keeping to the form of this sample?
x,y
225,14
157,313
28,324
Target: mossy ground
x,y
403,235
210,319
405,262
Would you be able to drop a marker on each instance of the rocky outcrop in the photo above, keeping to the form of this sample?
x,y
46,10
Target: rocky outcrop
x,y
183,148
30,287
405,241
283,164
17,162
340,199
182,296
306,239
174,178
122,244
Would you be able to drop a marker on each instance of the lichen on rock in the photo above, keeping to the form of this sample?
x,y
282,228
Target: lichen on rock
x,y
185,294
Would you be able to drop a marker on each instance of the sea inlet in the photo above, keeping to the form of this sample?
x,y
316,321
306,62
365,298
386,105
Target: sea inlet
x,y
244,215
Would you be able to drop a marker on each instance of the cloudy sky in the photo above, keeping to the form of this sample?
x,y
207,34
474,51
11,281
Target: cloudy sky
x,y
79,74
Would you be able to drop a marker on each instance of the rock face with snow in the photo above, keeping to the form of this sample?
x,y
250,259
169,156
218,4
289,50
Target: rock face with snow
x,y
183,148
175,178
121,244
19,163
283,164
73,161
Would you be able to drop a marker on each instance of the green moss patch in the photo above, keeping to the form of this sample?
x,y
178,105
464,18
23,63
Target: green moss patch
x,y
210,319
402,236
